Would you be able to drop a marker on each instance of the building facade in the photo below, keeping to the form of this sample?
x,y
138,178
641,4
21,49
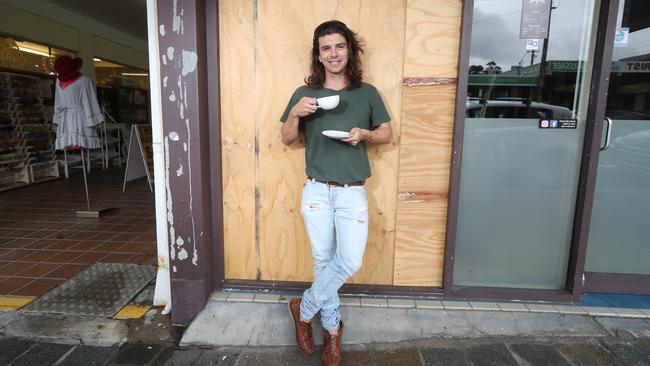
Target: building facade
x,y
519,168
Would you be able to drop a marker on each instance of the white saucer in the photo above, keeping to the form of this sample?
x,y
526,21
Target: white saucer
x,y
336,134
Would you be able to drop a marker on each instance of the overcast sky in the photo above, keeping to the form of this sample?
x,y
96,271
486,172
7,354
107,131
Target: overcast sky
x,y
495,32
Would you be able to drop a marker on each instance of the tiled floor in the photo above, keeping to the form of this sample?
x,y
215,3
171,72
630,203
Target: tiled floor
x,y
42,242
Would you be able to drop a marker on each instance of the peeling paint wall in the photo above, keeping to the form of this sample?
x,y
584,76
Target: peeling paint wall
x,y
179,67
185,139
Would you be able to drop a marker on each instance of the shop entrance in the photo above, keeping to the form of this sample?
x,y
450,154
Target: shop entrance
x,y
526,134
43,241
618,253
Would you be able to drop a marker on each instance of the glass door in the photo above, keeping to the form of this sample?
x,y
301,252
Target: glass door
x,y
619,238
529,79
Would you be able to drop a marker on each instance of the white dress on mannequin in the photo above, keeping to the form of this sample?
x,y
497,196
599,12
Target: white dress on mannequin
x,y
76,113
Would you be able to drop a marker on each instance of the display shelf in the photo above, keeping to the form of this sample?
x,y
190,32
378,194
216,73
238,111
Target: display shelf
x,y
14,178
6,162
40,172
114,146
26,135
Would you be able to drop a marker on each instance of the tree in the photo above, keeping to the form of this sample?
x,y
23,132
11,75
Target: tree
x,y
475,69
492,68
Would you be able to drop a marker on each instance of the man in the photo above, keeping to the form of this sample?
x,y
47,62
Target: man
x,y
334,205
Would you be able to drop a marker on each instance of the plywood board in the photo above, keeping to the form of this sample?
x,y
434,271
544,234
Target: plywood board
x,y
284,248
419,239
425,155
263,178
238,93
427,128
432,38
383,68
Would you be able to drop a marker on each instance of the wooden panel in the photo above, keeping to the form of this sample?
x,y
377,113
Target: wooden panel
x,y
425,154
427,128
419,240
382,23
282,65
264,69
238,115
284,248
432,38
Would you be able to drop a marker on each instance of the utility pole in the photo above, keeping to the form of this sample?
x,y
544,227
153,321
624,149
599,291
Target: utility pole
x,y
542,64
542,68
532,57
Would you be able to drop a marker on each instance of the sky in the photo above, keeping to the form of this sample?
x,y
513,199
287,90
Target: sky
x,y
495,32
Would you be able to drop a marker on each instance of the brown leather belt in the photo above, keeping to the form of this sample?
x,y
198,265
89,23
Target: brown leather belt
x,y
337,184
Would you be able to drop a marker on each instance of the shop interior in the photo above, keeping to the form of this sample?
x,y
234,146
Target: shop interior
x,y
43,239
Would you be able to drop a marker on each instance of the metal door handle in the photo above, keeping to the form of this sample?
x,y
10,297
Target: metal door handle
x,y
608,136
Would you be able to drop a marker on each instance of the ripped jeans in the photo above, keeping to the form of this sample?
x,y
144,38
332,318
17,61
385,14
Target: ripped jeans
x,y
336,221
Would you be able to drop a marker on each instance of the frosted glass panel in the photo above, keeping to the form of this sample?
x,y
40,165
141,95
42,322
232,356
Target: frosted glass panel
x,y
519,177
517,197
619,237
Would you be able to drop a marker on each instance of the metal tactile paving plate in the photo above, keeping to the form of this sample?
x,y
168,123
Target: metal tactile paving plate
x,y
100,290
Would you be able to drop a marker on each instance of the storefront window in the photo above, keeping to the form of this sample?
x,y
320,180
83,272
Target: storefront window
x,y
109,74
528,81
123,91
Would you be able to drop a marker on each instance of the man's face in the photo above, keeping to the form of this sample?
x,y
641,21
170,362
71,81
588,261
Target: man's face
x,y
333,53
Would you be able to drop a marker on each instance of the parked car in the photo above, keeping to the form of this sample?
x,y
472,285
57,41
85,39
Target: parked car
x,y
515,108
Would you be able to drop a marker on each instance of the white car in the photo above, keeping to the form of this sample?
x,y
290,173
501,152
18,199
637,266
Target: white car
x,y
518,108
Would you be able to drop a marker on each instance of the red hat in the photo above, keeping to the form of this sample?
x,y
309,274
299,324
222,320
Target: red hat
x,y
67,68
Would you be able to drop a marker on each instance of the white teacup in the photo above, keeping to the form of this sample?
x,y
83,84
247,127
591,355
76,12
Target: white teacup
x,y
328,103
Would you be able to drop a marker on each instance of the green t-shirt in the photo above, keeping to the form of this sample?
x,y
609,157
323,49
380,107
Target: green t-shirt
x,y
331,160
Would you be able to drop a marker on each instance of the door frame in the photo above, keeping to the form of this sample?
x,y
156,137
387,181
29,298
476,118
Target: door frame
x,y
636,284
607,15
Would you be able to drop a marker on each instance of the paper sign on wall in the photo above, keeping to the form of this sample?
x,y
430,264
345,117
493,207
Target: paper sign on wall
x,y
621,37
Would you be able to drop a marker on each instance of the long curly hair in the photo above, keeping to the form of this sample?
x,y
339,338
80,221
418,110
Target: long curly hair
x,y
353,69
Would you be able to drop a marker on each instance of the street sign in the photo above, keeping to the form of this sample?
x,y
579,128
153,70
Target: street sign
x,y
535,16
532,45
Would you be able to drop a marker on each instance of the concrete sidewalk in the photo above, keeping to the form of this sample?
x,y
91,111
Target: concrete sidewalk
x,y
246,319
240,331
501,351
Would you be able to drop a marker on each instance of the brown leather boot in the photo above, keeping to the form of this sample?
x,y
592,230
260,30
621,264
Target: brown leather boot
x,y
304,337
331,355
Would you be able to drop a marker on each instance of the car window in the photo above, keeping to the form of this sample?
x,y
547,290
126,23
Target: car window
x,y
539,113
511,112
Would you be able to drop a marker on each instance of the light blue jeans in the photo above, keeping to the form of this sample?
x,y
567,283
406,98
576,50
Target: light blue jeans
x,y
336,221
